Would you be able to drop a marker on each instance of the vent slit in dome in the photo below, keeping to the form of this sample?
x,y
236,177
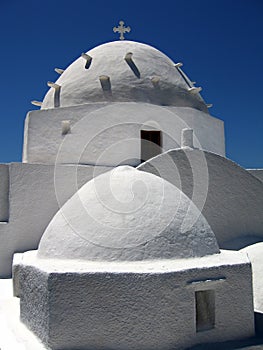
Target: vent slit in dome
x,y
105,83
36,103
132,65
59,70
155,81
57,89
65,127
182,74
195,90
88,60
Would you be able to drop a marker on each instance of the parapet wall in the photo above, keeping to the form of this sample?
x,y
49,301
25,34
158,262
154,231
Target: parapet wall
x,y
36,192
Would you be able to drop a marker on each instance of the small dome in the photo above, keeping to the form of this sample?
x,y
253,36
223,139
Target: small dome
x,y
123,71
127,214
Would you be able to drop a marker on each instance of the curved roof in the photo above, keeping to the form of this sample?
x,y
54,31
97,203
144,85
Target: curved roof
x,y
127,214
123,71
232,207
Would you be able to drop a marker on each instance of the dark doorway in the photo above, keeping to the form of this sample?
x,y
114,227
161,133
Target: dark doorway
x,y
205,310
151,144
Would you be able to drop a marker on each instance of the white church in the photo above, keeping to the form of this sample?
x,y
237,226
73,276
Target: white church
x,y
125,226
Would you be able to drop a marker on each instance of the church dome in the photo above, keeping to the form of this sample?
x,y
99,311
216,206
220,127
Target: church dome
x,y
122,71
128,215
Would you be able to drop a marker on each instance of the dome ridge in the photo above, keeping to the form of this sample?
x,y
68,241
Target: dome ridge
x,y
123,71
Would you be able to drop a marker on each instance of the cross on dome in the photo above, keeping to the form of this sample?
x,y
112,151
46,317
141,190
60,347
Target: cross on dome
x,y
121,29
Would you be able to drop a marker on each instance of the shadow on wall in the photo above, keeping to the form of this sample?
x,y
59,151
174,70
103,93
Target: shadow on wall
x,y
255,343
242,242
259,324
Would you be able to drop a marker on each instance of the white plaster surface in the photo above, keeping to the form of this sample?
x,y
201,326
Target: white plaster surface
x,y
4,193
126,214
36,193
258,173
110,292
109,134
80,85
226,257
14,335
134,305
187,138
229,197
255,254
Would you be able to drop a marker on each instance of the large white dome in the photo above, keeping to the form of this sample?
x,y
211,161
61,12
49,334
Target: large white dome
x,y
127,214
130,71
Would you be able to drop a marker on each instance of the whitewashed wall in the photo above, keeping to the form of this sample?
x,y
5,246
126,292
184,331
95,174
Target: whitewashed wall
x,y
71,304
109,134
229,197
36,193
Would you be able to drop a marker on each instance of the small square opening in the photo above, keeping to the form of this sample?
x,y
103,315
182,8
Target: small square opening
x,y
151,144
205,310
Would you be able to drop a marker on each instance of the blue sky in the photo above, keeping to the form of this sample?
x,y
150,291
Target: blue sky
x,y
220,43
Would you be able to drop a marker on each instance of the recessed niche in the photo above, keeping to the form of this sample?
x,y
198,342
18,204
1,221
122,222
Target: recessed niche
x,y
205,310
65,127
105,82
132,65
88,59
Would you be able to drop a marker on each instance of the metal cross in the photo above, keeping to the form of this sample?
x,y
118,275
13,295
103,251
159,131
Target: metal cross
x,y
121,29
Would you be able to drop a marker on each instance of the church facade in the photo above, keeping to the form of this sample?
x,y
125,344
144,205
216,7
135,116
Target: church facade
x,y
130,227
